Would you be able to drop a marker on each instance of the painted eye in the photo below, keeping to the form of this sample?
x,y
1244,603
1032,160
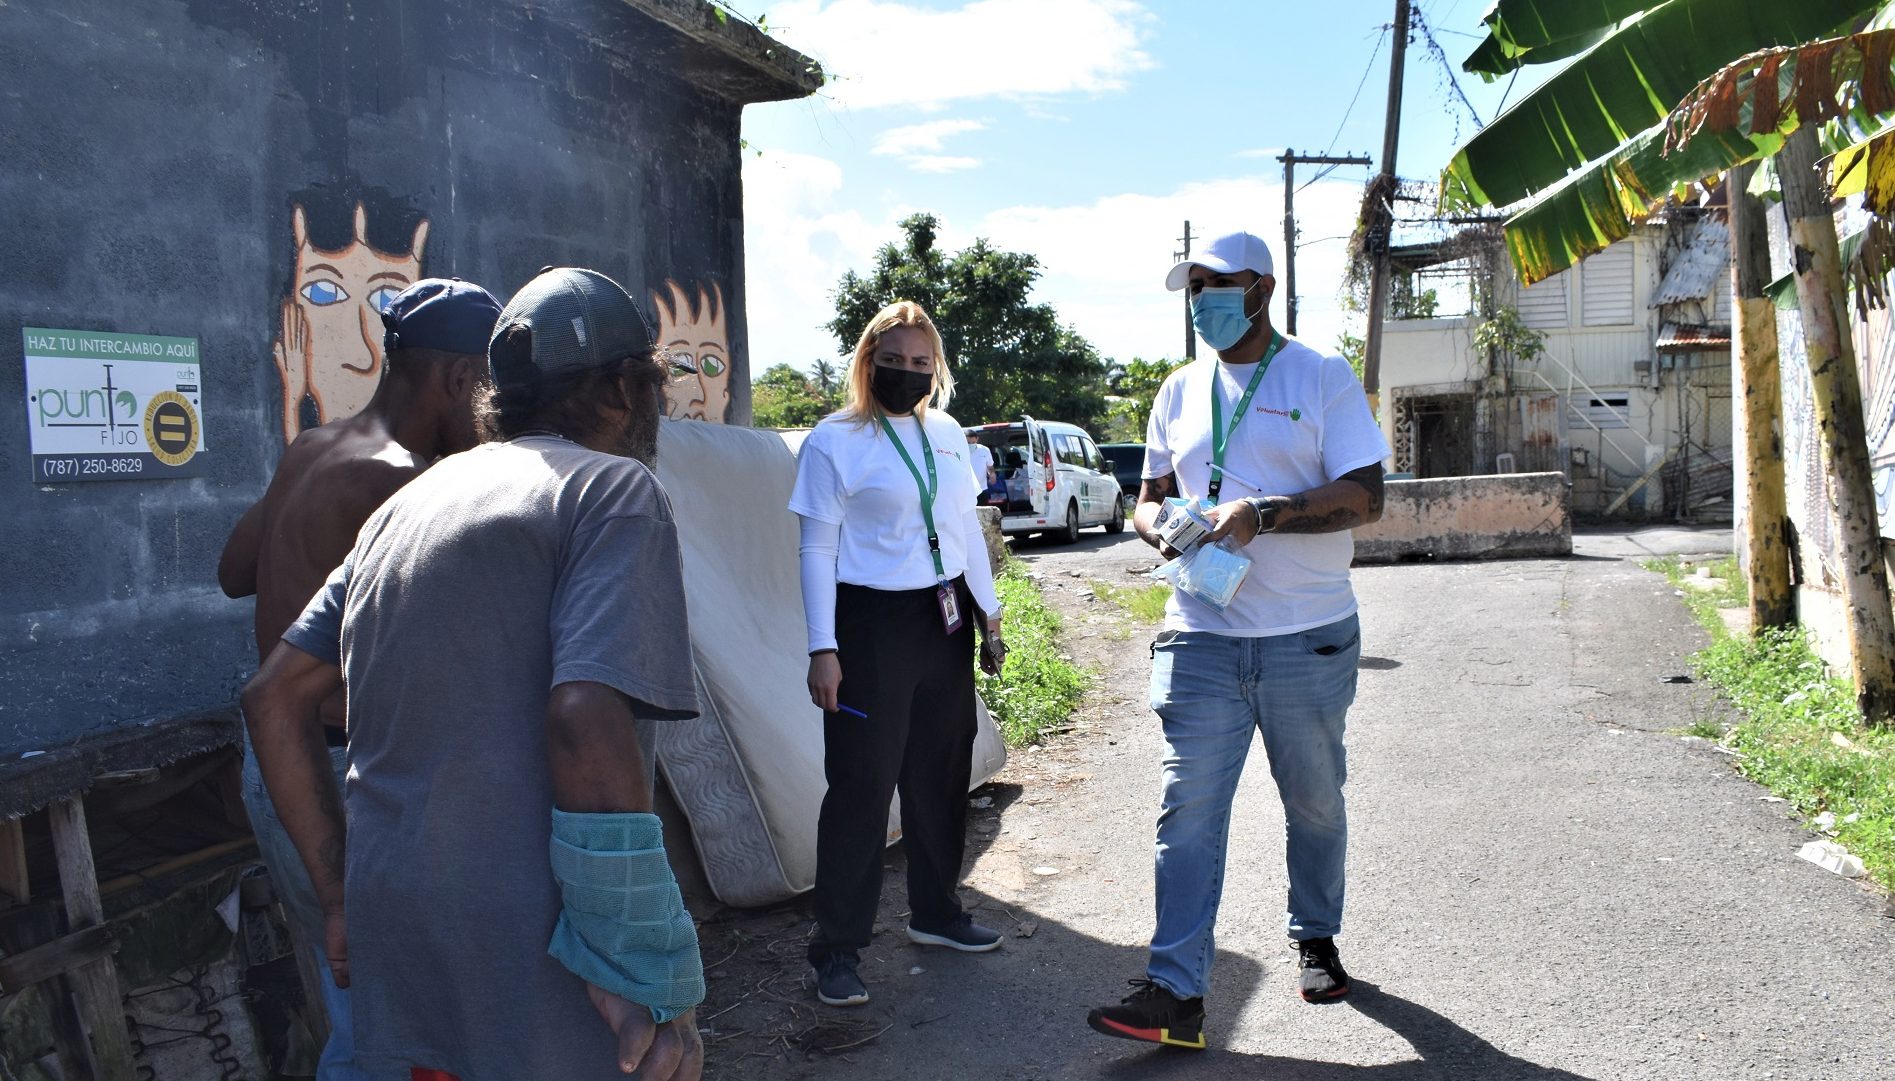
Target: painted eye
x,y
383,297
710,365
323,293
676,356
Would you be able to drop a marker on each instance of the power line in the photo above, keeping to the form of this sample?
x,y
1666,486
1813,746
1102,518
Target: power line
x,y
1358,90
1447,66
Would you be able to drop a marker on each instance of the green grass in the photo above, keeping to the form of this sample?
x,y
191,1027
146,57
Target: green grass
x,y
1801,734
1037,689
1145,603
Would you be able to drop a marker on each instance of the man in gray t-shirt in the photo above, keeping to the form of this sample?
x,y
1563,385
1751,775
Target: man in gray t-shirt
x,y
499,625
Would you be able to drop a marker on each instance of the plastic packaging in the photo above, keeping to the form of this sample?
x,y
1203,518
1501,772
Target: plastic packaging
x,y
1210,572
1181,524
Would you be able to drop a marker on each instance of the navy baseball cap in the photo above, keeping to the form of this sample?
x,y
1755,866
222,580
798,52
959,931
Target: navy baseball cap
x,y
440,313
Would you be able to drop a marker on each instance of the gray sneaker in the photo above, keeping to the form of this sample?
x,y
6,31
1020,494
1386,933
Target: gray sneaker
x,y
963,934
836,981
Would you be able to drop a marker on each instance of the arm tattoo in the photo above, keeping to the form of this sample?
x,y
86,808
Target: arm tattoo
x,y
1157,489
1370,478
1335,521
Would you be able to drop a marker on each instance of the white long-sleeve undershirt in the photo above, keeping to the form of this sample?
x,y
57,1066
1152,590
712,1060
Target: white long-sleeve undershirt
x,y
817,560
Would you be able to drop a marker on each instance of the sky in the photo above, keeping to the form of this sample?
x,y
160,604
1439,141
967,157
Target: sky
x,y
1085,132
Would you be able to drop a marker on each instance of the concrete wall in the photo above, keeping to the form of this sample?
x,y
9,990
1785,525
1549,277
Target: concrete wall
x,y
194,167
1494,517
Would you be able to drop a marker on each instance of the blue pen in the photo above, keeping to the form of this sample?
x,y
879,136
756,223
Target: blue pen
x,y
852,711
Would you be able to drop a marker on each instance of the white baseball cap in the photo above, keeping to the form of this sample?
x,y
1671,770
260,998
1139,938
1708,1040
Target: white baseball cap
x,y
1225,254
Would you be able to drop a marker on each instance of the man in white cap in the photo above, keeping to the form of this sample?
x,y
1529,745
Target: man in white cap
x,y
1277,444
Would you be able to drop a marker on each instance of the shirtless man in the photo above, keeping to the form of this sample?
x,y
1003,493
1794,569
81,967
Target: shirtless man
x,y
327,484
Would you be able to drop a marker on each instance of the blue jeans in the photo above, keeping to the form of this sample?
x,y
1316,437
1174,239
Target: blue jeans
x,y
299,901
1211,691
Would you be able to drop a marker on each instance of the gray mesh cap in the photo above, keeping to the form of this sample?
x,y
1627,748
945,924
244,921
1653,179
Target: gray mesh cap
x,y
580,320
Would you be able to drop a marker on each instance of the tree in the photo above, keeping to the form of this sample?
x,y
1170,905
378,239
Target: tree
x,y
828,381
1009,355
1133,385
783,397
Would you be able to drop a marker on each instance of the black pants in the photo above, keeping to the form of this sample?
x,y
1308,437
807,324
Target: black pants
x,y
916,684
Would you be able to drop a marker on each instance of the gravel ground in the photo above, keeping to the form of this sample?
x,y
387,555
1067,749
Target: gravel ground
x,y
1546,879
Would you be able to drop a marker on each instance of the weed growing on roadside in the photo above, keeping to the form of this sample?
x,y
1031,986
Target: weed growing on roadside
x,y
1145,603
1704,728
1037,689
1802,735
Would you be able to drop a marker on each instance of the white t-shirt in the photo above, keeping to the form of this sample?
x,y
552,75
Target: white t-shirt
x,y
1308,425
847,473
979,460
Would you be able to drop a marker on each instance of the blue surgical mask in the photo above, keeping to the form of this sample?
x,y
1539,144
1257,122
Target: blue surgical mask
x,y
1218,315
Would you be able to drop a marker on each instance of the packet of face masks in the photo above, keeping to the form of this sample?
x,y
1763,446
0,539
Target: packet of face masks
x,y
1210,572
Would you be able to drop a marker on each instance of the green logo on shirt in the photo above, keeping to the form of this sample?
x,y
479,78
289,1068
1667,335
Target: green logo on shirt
x,y
1296,414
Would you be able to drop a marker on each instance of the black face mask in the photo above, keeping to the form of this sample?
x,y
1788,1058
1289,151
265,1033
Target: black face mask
x,y
899,390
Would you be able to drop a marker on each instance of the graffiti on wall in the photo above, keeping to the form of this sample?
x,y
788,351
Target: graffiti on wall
x,y
699,332
329,347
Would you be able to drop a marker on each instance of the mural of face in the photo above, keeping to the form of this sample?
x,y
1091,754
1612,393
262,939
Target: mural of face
x,y
697,331
330,344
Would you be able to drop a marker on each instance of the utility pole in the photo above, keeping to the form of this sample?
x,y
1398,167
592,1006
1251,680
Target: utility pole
x,y
1381,210
1290,158
1190,332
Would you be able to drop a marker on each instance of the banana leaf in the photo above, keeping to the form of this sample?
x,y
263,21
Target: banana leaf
x,y
1867,168
1491,60
1590,210
1815,81
1738,113
1621,87
1536,31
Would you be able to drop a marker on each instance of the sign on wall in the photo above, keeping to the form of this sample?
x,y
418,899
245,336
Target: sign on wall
x,y
105,406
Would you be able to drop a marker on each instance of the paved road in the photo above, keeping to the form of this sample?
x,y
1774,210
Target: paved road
x,y
1546,880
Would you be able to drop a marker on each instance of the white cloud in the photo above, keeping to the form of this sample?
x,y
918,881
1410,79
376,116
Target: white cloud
x,y
797,243
1104,262
888,54
923,138
938,163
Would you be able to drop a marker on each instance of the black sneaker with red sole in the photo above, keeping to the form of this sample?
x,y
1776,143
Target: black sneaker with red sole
x,y
1154,1015
1323,977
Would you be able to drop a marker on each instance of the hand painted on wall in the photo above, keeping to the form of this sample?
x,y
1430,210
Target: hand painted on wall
x,y
699,332
329,347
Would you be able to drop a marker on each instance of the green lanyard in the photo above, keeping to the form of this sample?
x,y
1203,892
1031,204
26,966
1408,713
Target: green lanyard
x,y
1220,436
927,490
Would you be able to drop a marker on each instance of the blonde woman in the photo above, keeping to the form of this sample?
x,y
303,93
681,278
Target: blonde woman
x,y
895,576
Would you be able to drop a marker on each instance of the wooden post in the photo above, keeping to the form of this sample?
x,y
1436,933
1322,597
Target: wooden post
x,y
15,886
1289,241
94,983
1760,395
1837,396
1378,277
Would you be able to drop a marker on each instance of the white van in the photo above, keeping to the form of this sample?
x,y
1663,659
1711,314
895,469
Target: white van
x,y
1050,479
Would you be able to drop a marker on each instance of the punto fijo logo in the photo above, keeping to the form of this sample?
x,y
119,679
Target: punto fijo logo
x,y
106,407
170,424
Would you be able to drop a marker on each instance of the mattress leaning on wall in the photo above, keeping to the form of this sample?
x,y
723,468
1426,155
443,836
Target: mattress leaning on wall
x,y
748,773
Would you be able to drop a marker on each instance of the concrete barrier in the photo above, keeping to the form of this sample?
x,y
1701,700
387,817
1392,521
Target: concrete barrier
x,y
996,541
1506,516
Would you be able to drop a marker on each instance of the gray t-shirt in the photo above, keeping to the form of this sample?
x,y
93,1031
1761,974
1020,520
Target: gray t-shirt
x,y
493,577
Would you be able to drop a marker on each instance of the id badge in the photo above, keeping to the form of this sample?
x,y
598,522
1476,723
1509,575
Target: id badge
x,y
950,607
